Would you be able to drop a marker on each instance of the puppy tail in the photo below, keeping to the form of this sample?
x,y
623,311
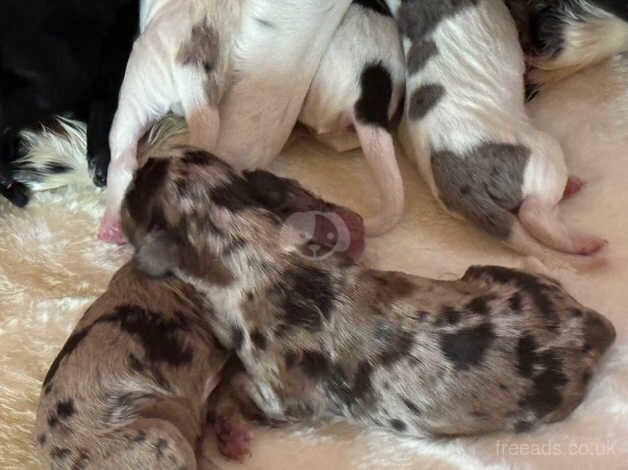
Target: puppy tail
x,y
379,150
54,157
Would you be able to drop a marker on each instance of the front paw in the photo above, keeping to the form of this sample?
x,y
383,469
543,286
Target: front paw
x,y
98,164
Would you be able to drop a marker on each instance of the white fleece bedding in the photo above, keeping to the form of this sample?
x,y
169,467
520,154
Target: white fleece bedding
x,y
52,267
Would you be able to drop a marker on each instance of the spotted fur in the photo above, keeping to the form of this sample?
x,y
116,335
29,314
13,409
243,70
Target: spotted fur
x,y
498,349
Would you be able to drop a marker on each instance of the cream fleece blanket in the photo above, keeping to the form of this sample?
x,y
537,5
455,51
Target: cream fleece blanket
x,y
52,267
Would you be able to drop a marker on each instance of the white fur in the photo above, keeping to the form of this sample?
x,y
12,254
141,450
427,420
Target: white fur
x,y
46,147
364,37
480,64
267,71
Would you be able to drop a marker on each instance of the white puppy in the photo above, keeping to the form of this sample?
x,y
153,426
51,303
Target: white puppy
x,y
466,125
187,56
357,89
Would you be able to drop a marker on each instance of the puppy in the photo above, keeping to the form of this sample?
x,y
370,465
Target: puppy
x,y
569,35
497,349
466,125
187,56
129,388
60,57
359,85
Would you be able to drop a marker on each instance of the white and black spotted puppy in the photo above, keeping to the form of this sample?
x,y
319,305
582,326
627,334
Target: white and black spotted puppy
x,y
129,388
467,127
569,35
497,349
355,92
238,70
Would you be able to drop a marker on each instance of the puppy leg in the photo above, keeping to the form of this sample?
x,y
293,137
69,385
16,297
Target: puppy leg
x,y
199,98
146,443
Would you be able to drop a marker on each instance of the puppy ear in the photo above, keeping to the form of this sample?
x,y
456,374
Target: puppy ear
x,y
157,254
270,190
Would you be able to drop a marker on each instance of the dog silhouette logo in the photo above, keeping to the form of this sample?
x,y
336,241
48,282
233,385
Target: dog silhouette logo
x,y
320,234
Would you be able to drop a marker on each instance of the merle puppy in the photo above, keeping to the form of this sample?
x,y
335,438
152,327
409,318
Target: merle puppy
x,y
497,349
58,57
130,387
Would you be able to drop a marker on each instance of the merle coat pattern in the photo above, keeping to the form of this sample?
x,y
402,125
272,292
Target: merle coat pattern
x,y
497,349
129,388
61,57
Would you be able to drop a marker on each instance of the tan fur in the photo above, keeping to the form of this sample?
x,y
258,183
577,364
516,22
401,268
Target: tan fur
x,y
113,401
498,349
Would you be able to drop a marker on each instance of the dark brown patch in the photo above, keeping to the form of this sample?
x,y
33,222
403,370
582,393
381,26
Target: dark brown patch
x,y
201,49
42,439
65,409
362,385
480,305
466,348
58,453
259,340
398,425
237,337
411,406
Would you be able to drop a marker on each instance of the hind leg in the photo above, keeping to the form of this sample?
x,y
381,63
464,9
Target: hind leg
x,y
147,443
543,222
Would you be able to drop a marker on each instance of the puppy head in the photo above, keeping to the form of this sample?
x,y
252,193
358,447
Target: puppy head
x,y
320,227
178,212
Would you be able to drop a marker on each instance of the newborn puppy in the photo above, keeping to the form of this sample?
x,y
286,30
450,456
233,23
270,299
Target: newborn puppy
x,y
129,388
192,52
66,56
568,35
497,349
357,89
466,125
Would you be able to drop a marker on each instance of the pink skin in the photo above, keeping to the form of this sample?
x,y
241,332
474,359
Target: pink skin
x,y
573,186
110,230
234,436
589,245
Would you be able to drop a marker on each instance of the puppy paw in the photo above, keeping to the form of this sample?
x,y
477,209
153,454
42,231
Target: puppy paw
x,y
110,230
588,244
234,437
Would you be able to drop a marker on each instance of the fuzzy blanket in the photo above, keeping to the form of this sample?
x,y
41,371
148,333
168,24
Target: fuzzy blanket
x,y
52,267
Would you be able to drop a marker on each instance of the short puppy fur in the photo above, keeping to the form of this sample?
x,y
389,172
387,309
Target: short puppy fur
x,y
129,388
356,91
237,70
499,349
466,126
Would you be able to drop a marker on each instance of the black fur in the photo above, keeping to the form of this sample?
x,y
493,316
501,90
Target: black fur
x,y
61,57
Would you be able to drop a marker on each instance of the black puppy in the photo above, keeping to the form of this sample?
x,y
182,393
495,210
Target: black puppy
x,y
66,56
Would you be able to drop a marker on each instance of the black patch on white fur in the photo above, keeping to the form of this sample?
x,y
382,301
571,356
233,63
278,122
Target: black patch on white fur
x,y
376,5
419,55
377,88
423,99
418,18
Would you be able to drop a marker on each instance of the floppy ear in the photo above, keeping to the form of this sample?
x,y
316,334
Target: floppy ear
x,y
157,254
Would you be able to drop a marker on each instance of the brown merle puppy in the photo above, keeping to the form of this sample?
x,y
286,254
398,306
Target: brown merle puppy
x,y
129,388
497,349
